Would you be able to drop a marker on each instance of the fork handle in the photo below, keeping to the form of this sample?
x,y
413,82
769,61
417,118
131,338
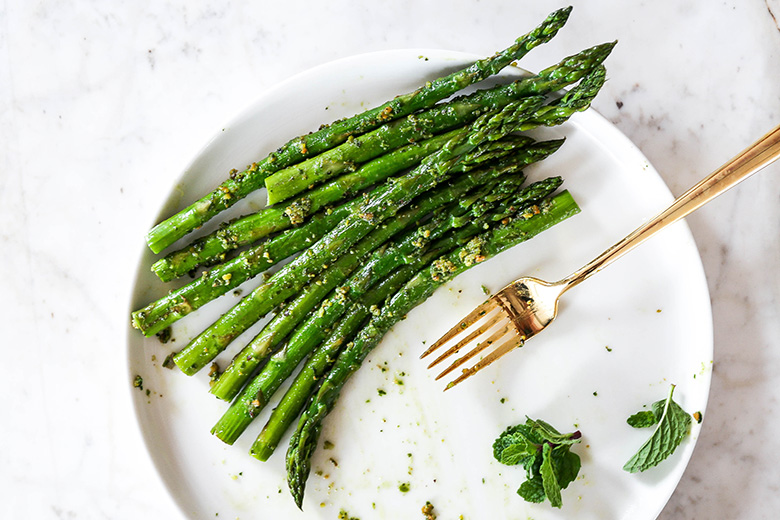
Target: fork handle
x,y
755,157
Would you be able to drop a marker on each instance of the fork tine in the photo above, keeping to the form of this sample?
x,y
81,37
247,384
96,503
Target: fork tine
x,y
483,328
465,323
479,347
513,343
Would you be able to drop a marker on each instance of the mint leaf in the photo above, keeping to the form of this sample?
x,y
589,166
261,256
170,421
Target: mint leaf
x,y
544,453
518,454
552,435
567,466
552,490
643,419
532,490
516,444
673,426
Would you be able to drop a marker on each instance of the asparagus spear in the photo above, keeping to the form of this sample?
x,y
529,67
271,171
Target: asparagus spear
x,y
291,181
248,229
225,277
373,211
242,183
294,399
417,290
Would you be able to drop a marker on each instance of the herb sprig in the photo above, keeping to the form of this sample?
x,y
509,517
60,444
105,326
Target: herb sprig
x,y
545,454
672,424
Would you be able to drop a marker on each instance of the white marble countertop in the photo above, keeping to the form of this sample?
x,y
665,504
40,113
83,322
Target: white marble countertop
x,y
103,103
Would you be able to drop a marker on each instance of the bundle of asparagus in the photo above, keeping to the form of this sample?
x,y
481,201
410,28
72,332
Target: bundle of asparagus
x,y
376,212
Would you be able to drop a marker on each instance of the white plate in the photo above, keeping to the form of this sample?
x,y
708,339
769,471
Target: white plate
x,y
621,339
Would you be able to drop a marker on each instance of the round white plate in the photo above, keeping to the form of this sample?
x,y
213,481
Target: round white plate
x,y
620,340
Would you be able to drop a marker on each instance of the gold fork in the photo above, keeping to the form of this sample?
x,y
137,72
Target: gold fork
x,y
526,306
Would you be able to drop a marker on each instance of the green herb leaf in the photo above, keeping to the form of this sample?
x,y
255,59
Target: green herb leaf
x,y
552,435
517,453
567,466
552,490
532,490
643,419
674,424
516,443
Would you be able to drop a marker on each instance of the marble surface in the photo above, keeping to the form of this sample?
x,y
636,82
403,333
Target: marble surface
x,y
102,103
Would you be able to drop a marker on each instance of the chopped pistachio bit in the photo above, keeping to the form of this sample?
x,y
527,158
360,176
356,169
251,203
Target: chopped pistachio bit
x,y
427,511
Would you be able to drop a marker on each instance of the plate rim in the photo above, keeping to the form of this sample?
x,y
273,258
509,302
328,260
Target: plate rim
x,y
248,111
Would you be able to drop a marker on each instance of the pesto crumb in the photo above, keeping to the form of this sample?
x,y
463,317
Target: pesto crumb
x,y
164,335
441,268
472,253
427,511
327,445
168,361
404,487
138,382
213,373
